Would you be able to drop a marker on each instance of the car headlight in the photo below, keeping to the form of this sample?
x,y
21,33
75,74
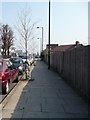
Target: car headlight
x,y
20,68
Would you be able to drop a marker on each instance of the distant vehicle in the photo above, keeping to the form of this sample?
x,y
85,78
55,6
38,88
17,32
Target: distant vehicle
x,y
18,63
8,75
29,59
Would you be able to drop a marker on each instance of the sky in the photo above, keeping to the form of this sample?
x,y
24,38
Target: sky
x,y
69,20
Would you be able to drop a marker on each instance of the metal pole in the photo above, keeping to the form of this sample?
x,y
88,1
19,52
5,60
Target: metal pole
x,y
49,40
40,44
42,39
26,57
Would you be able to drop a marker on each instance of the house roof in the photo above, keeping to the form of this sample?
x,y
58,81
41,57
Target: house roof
x,y
65,47
52,46
62,48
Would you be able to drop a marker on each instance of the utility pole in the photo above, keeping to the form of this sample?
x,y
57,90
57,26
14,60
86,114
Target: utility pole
x,y
41,44
49,40
26,56
42,38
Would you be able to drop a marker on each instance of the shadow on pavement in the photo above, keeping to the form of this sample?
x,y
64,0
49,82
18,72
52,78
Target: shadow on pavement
x,y
48,96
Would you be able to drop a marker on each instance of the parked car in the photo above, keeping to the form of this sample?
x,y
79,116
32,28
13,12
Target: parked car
x,y
18,63
29,59
8,75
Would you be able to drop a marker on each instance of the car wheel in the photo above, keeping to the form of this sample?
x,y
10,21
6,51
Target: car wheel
x,y
6,89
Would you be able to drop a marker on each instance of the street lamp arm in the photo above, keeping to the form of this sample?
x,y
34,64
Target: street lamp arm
x,y
42,37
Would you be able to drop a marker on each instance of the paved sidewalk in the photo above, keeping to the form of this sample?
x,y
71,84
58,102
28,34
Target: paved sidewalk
x,y
48,96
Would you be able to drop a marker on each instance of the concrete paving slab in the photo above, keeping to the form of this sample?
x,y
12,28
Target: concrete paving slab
x,y
33,108
68,95
38,100
49,90
66,115
55,101
75,101
80,109
49,94
53,108
36,115
36,94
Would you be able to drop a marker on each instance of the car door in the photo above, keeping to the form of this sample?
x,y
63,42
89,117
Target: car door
x,y
14,70
6,71
11,71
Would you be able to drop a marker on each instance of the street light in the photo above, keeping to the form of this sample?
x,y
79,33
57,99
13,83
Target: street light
x,y
40,45
42,37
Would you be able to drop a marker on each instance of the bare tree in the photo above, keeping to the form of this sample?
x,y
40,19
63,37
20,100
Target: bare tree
x,y
6,38
25,28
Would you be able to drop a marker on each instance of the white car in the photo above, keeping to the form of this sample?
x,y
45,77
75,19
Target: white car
x,y
29,59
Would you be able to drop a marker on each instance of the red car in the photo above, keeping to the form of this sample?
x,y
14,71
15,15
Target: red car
x,y
8,74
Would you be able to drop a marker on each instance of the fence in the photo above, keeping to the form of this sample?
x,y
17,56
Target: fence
x,y
73,66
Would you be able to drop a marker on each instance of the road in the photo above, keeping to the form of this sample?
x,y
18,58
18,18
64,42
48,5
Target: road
x,y
2,97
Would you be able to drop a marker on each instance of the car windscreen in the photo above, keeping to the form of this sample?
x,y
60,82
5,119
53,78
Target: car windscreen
x,y
15,60
26,57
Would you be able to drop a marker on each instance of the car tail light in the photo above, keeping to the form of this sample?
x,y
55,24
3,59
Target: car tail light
x,y
2,76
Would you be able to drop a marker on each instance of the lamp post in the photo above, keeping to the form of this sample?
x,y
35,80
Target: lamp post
x,y
49,39
40,45
42,37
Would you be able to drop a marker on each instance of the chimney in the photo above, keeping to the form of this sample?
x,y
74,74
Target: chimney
x,y
77,43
